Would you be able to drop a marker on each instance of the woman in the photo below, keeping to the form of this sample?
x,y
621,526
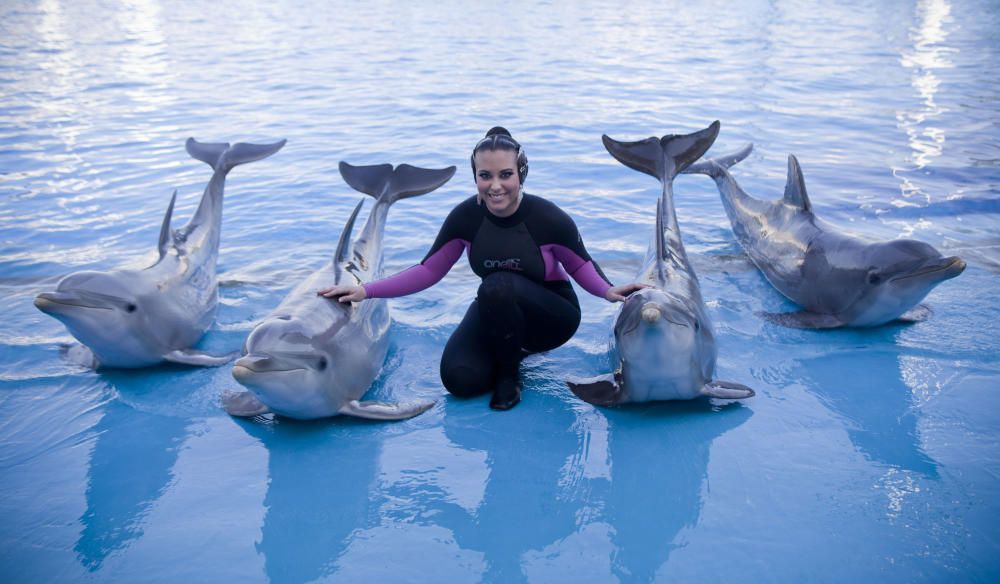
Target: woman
x,y
522,246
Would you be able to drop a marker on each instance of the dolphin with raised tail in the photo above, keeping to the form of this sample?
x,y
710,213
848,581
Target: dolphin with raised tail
x,y
663,347
314,357
838,279
136,318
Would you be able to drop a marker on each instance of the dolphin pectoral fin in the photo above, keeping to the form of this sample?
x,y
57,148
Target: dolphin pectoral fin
x,y
197,358
375,410
603,390
79,354
918,313
802,320
243,404
726,390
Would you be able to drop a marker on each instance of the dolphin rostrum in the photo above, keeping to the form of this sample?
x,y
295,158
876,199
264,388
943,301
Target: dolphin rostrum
x,y
663,347
839,279
136,318
314,357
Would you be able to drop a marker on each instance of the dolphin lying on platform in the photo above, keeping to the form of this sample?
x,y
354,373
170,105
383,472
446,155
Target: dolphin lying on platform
x,y
136,318
839,280
314,357
663,343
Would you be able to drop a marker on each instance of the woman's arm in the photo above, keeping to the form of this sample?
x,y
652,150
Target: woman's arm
x,y
442,256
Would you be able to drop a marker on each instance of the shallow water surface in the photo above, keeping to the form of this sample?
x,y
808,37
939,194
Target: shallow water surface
x,y
866,454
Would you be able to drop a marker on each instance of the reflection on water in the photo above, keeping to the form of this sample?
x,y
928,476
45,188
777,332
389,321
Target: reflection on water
x,y
659,467
522,486
929,53
319,486
880,414
130,469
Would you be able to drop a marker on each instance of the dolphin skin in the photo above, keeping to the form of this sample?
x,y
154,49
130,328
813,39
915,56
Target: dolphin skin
x,y
839,280
662,343
137,318
314,357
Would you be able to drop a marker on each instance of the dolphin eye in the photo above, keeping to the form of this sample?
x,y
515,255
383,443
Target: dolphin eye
x,y
322,364
874,279
130,307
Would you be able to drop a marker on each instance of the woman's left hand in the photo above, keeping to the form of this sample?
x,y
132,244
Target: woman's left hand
x,y
618,293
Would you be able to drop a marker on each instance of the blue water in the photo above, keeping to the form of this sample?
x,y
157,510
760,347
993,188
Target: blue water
x,y
869,455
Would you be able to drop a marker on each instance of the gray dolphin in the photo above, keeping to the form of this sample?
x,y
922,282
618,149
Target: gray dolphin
x,y
314,357
663,346
839,279
136,318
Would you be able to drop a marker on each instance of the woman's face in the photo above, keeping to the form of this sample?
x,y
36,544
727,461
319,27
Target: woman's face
x,y
497,182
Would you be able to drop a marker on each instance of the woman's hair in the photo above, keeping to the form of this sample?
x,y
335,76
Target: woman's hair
x,y
498,138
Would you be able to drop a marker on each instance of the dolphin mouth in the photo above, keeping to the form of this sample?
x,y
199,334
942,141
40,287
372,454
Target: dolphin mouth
x,y
257,364
950,267
51,301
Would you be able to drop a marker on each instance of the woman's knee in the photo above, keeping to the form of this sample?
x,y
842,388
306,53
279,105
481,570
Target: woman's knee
x,y
497,287
464,381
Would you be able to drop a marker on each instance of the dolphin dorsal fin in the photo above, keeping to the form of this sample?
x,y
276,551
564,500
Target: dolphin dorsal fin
x,y
390,185
165,228
663,158
344,244
795,186
661,244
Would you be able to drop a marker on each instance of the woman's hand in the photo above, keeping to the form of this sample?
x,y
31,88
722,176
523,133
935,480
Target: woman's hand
x,y
344,294
618,293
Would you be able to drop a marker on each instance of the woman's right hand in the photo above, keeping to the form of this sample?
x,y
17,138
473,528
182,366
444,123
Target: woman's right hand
x,y
344,294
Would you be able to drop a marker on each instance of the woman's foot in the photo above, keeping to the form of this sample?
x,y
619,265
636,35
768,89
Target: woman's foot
x,y
506,394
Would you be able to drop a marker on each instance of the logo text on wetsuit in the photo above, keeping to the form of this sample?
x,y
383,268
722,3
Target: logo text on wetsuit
x,y
507,264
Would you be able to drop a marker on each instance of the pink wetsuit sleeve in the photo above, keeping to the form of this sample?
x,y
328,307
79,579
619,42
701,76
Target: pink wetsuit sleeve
x,y
584,272
419,277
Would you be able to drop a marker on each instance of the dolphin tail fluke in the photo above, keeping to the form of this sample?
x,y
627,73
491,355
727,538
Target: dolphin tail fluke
x,y
344,244
207,152
165,228
603,390
222,156
726,390
243,404
374,410
714,166
390,185
663,158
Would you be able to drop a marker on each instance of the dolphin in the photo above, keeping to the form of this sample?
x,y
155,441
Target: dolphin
x,y
137,318
838,279
663,347
314,357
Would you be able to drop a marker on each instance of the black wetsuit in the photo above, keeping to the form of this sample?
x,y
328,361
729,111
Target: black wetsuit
x,y
525,303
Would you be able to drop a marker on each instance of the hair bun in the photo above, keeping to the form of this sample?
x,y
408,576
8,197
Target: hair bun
x,y
498,130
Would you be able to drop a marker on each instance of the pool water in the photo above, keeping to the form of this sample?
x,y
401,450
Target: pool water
x,y
869,454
